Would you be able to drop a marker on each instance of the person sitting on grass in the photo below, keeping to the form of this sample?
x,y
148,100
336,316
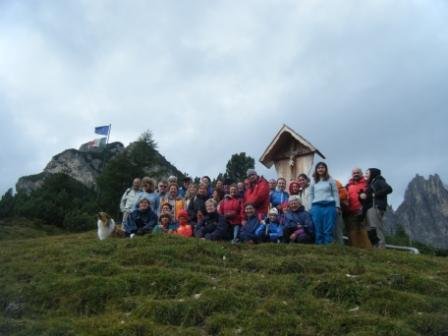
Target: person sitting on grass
x,y
166,225
214,226
271,230
248,232
184,227
298,226
142,220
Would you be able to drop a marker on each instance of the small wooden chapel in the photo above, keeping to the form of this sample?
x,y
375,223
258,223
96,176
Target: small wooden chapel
x,y
290,153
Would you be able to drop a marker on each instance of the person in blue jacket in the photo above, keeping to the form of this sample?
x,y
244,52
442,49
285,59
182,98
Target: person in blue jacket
x,y
271,230
142,220
279,197
248,232
213,226
298,225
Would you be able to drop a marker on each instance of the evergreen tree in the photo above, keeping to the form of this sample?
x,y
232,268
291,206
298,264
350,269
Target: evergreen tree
x,y
7,204
238,165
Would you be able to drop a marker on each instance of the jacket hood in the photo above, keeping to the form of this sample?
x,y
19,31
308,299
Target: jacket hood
x,y
374,172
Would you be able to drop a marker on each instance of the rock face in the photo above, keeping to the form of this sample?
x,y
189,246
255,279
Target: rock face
x,y
83,165
424,211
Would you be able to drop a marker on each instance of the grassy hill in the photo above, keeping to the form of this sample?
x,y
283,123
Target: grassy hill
x,y
77,285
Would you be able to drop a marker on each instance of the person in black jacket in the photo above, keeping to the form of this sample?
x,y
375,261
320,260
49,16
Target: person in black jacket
x,y
214,226
196,207
374,201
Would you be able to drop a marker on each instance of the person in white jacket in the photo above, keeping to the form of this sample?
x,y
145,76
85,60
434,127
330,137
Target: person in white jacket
x,y
129,198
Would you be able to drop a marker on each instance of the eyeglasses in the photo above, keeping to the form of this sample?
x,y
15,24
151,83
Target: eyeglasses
x,y
162,186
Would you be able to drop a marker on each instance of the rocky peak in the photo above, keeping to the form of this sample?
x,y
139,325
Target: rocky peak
x,y
83,165
424,211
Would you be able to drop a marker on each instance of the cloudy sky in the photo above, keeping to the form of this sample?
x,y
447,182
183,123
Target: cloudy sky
x,y
366,82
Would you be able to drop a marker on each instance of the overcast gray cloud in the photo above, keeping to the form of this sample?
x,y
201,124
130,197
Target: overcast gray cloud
x,y
365,82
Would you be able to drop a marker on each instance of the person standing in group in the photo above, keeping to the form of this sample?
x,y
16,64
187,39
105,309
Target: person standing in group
x,y
375,204
324,200
304,182
184,187
241,189
190,194
177,203
257,193
196,207
148,186
272,186
130,198
231,210
338,233
279,198
353,216
162,189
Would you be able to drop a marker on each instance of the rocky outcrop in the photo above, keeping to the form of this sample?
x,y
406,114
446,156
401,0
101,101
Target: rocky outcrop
x,y
83,165
424,212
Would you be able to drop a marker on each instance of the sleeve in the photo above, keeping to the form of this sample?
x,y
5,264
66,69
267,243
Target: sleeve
x,y
381,188
123,201
130,225
260,230
335,193
262,193
151,223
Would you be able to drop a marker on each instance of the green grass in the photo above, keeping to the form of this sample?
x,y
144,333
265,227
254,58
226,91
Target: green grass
x,y
166,285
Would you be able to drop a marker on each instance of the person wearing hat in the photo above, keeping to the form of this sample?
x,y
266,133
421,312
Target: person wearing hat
x,y
271,230
184,227
257,193
142,220
297,226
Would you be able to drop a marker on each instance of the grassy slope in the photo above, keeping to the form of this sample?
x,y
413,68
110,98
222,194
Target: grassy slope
x,y
76,285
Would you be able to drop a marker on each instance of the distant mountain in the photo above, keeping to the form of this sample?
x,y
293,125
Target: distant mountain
x,y
87,163
424,212
84,165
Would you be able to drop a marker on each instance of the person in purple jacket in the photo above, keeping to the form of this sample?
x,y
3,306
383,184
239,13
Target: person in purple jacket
x,y
297,226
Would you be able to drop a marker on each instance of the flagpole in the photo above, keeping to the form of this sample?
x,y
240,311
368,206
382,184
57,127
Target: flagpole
x,y
107,140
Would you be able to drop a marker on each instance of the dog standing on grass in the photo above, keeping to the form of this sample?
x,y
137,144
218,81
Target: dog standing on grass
x,y
107,227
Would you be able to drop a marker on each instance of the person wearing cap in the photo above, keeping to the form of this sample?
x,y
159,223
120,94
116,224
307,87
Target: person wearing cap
x,y
129,199
324,198
353,216
230,208
186,182
257,193
142,220
184,228
298,225
271,230
213,226
375,204
279,198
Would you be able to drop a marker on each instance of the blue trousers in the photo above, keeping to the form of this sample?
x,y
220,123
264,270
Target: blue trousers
x,y
324,219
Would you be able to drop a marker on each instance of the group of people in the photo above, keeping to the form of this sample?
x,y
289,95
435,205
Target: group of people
x,y
305,210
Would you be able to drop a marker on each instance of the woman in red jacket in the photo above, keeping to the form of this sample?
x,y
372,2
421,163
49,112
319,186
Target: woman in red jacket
x,y
257,193
231,208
